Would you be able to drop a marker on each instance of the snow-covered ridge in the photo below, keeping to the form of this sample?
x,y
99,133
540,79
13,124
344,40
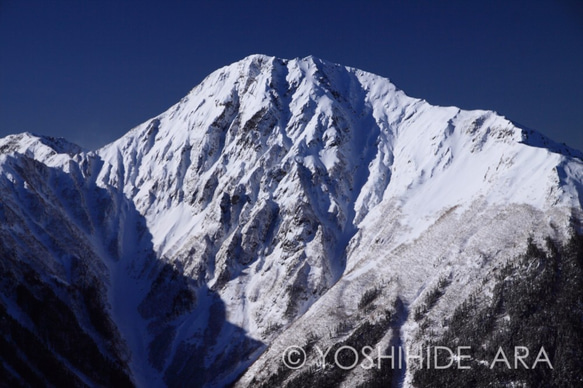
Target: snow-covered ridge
x,y
49,150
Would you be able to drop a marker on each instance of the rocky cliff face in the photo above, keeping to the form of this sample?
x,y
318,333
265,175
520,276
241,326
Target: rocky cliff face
x,y
279,203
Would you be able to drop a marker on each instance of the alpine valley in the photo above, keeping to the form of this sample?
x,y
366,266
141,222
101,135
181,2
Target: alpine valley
x,y
294,223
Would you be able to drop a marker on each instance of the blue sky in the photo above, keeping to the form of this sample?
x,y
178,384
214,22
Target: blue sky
x,y
91,70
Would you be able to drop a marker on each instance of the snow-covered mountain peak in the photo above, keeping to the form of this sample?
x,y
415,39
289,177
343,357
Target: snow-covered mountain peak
x,y
260,125
272,196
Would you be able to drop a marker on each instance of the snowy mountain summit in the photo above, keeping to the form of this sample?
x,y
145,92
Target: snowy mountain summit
x,y
280,203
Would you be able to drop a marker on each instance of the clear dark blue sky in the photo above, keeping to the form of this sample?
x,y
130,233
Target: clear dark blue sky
x,y
91,70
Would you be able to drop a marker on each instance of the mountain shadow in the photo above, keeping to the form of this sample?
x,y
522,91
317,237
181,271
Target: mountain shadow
x,y
84,298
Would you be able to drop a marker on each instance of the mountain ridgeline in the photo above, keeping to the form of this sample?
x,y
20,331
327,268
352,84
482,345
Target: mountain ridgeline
x,y
293,204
